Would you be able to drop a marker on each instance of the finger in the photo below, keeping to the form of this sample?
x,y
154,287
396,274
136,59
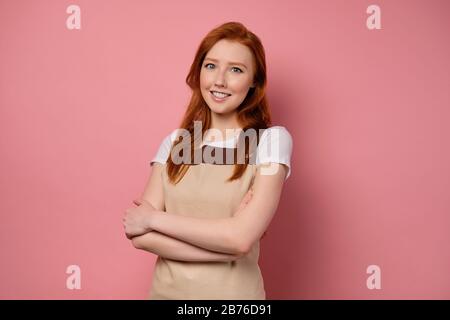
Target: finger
x,y
137,202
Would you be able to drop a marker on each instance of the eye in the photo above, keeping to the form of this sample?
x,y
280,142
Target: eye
x,y
233,68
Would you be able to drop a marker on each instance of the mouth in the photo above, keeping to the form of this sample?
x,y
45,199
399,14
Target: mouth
x,y
219,96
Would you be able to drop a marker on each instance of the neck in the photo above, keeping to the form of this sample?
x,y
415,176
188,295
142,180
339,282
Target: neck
x,y
222,122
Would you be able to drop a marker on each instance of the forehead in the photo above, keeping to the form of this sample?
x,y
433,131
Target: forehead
x,y
226,50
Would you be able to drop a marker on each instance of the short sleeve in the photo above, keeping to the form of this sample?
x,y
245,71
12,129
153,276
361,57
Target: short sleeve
x,y
275,146
164,149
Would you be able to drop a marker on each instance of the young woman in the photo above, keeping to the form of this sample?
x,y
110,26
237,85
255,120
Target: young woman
x,y
205,219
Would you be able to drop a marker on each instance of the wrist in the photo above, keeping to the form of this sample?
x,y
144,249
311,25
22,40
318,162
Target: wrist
x,y
150,221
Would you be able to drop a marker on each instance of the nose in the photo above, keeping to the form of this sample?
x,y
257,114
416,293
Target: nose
x,y
220,80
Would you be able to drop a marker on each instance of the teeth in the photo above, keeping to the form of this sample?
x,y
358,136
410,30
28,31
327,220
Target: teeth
x,y
219,94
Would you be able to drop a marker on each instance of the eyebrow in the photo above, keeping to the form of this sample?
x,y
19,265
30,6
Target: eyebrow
x,y
234,63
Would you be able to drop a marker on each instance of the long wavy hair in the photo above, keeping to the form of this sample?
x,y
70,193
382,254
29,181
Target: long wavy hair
x,y
252,113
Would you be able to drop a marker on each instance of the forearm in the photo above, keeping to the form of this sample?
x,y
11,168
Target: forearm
x,y
171,248
215,234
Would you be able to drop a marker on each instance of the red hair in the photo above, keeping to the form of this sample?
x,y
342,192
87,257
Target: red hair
x,y
252,113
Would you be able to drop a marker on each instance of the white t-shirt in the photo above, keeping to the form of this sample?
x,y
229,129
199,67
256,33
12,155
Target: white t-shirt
x,y
275,145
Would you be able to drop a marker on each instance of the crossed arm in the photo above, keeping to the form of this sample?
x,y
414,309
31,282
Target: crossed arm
x,y
164,245
198,239
174,249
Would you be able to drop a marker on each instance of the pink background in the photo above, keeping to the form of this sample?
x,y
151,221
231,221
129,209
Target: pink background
x,y
83,111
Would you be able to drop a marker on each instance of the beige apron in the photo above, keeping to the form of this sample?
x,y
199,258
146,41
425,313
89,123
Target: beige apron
x,y
204,192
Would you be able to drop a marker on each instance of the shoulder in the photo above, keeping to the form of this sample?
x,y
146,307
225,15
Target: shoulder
x,y
275,145
276,133
163,151
278,137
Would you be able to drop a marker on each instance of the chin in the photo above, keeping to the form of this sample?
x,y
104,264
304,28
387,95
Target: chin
x,y
219,111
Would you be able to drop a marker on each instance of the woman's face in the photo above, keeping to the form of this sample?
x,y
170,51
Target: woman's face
x,y
227,69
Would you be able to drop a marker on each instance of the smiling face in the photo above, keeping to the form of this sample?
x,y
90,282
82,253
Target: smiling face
x,y
226,76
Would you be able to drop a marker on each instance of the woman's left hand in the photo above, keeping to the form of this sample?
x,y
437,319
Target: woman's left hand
x,y
137,220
